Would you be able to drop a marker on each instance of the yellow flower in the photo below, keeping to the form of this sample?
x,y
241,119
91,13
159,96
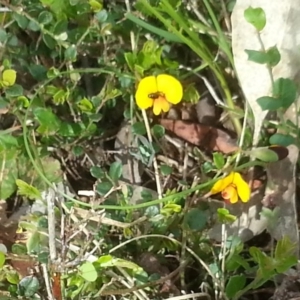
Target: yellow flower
x,y
158,91
231,188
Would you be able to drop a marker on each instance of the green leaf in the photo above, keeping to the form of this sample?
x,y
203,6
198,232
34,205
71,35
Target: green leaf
x,y
19,249
7,141
52,73
88,272
191,94
130,60
170,209
158,131
38,72
9,77
105,261
33,244
47,119
12,277
45,17
196,219
14,91
101,16
3,36
33,25
49,41
219,160
97,172
29,191
234,285
256,17
8,184
21,20
115,171
103,187
52,171
166,170
259,57
224,216
284,248
71,53
2,259
139,128
282,139
95,5
273,56
29,286
257,255
269,103
286,91
235,261
43,257
265,154
108,261
85,105
170,37
122,263
60,96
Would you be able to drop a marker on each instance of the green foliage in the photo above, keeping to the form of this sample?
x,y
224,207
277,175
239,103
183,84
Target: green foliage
x,y
282,139
224,216
195,219
284,94
219,160
256,17
271,56
68,77
88,272
29,191
264,154
235,284
28,286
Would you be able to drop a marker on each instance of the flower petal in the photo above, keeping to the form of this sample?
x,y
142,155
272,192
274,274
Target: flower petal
x,y
164,104
242,187
234,197
171,87
160,104
230,194
146,86
221,184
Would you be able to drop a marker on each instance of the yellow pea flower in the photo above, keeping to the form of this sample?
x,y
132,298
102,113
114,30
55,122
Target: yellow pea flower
x,y
158,91
231,188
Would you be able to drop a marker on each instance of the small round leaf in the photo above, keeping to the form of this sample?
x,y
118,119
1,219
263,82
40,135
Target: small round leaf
x,y
88,272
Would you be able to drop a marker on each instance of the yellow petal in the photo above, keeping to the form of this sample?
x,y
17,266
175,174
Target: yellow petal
x,y
234,197
146,86
230,194
160,104
242,187
221,184
171,87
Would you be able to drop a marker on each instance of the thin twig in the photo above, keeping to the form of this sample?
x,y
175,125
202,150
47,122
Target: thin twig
x,y
47,281
155,164
50,198
190,296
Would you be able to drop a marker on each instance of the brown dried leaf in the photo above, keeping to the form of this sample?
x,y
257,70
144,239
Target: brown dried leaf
x,y
208,137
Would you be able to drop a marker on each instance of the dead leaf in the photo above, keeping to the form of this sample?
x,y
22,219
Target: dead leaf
x,y
208,137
